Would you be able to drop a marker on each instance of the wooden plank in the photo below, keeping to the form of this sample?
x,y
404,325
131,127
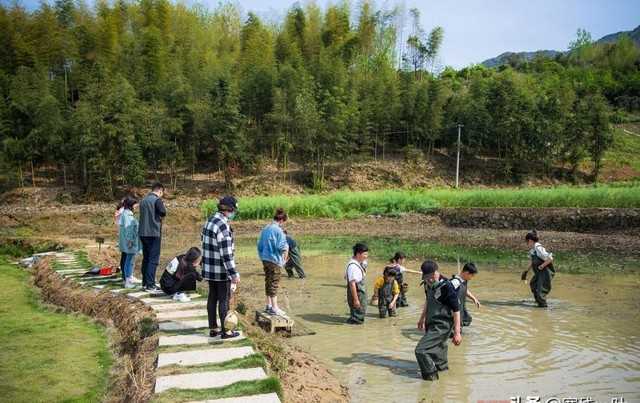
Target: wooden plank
x,y
274,322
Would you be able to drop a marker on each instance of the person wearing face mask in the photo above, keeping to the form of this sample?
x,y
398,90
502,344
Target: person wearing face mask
x,y
355,275
440,318
219,266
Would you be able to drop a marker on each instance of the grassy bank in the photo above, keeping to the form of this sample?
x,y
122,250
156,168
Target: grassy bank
x,y
47,356
346,204
382,248
625,150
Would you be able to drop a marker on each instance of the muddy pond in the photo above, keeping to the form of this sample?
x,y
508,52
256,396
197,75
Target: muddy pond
x,y
586,345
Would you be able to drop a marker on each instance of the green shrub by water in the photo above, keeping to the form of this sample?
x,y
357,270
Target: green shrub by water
x,y
345,204
334,205
615,196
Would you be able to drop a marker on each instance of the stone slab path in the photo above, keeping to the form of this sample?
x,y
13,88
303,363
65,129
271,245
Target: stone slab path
x,y
175,325
176,306
197,357
206,380
180,317
266,398
192,313
191,340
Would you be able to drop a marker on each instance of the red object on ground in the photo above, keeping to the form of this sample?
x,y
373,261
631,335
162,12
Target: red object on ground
x,y
106,271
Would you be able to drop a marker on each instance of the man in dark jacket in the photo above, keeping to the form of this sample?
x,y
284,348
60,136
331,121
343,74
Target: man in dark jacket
x,y
440,319
152,211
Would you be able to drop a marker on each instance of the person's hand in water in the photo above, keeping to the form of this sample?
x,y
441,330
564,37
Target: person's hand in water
x,y
457,338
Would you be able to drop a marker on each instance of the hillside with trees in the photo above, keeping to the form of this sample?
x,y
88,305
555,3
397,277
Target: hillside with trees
x,y
113,94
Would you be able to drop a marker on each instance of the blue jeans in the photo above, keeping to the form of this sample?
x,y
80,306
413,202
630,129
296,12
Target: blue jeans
x,y
127,267
150,259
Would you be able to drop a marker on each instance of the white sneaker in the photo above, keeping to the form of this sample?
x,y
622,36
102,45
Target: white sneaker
x,y
134,280
279,312
129,285
181,297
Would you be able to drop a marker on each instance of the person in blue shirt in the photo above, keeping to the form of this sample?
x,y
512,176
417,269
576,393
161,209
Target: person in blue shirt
x,y
128,240
273,250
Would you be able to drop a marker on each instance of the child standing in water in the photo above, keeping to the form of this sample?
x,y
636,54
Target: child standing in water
x,y
387,290
543,271
440,318
461,284
398,261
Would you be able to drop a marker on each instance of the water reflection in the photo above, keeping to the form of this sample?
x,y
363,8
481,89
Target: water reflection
x,y
586,344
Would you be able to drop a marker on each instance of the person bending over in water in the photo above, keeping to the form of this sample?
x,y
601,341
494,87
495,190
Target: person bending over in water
x,y
440,317
543,271
295,258
387,289
461,284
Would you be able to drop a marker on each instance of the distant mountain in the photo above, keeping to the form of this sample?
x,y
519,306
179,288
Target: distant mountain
x,y
528,56
611,38
523,56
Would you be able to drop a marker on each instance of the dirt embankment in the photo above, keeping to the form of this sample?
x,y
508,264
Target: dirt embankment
x,y
555,219
183,225
396,170
134,338
303,377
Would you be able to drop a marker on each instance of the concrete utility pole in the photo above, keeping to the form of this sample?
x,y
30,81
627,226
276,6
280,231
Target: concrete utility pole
x,y
460,126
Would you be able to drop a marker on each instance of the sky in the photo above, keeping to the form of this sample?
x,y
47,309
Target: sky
x,y
476,30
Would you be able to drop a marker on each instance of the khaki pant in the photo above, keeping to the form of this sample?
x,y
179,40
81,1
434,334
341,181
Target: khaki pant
x,y
271,278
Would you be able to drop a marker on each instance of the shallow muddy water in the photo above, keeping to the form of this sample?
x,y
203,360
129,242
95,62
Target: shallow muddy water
x,y
587,344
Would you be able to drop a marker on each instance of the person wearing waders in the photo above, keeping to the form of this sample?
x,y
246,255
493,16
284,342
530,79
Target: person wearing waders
x,y
440,318
355,274
295,258
397,261
542,266
460,283
388,291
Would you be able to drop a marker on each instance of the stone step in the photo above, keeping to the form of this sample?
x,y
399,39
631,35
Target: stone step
x,y
105,281
68,272
192,313
193,339
178,305
95,278
210,356
156,300
185,325
162,299
144,294
206,380
266,398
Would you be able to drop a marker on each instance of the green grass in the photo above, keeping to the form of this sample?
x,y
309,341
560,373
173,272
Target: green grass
x,y
47,356
244,388
334,205
625,151
345,204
